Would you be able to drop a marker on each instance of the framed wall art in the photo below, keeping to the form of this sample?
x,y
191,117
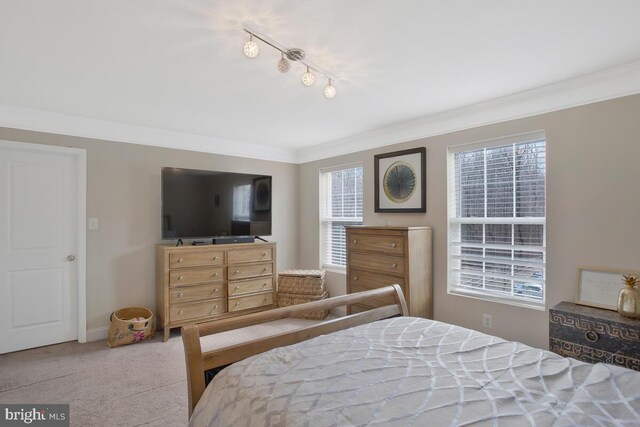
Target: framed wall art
x,y
262,194
400,181
599,287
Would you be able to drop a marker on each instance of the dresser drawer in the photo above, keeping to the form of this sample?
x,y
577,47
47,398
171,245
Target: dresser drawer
x,y
207,308
251,286
195,259
392,245
249,255
251,301
374,262
194,293
245,271
195,275
368,280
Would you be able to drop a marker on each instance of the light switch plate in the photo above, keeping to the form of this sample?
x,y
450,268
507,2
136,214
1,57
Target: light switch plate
x,y
93,223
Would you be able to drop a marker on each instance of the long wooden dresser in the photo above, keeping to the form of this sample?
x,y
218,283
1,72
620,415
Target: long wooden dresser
x,y
201,283
380,256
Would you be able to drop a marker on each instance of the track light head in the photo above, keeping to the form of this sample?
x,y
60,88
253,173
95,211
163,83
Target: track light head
x,y
251,48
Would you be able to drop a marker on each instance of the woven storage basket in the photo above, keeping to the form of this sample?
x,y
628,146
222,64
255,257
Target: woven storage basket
x,y
130,325
302,282
285,300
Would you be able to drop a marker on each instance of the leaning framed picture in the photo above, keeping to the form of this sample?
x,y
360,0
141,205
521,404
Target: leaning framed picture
x,y
599,287
400,181
262,194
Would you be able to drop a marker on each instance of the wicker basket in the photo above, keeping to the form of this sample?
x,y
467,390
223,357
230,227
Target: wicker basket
x,y
130,325
285,300
302,282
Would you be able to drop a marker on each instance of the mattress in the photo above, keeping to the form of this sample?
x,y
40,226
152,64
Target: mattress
x,y
408,371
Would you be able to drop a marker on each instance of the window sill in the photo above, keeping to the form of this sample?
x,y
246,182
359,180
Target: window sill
x,y
335,269
508,301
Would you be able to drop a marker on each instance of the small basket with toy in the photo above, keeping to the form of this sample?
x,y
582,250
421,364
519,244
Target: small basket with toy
x,y
130,325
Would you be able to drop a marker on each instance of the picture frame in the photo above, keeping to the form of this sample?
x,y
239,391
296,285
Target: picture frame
x,y
400,181
599,287
261,194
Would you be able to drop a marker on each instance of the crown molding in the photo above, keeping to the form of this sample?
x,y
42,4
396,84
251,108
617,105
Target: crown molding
x,y
608,84
63,124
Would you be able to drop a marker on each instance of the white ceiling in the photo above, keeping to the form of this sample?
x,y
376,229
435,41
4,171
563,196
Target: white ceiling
x,y
172,73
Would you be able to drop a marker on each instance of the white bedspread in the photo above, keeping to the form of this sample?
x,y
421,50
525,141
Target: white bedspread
x,y
408,371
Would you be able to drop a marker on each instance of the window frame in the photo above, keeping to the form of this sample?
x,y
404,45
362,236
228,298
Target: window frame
x,y
325,220
453,219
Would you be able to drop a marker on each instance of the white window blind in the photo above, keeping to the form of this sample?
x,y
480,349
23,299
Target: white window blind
x,y
340,205
497,206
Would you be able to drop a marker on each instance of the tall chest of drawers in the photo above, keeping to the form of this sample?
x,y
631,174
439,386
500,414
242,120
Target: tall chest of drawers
x,y
201,283
381,256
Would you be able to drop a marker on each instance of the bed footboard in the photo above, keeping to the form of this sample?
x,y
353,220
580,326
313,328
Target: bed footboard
x,y
198,362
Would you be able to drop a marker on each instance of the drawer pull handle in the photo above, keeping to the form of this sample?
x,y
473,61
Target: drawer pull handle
x,y
180,260
180,295
236,304
214,258
355,241
215,274
355,278
215,290
265,269
591,336
394,265
213,310
264,254
265,284
265,299
237,287
181,312
237,272
393,245
180,277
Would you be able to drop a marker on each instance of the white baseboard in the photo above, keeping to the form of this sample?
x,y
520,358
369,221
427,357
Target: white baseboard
x,y
97,334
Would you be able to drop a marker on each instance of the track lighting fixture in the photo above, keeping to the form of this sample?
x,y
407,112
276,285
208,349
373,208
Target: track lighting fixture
x,y
252,49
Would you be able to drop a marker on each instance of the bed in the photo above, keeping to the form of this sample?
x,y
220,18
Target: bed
x,y
382,367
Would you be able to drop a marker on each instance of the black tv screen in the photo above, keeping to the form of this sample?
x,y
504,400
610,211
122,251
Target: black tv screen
x,y
199,204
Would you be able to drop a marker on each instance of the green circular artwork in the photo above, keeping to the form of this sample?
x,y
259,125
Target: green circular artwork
x,y
399,182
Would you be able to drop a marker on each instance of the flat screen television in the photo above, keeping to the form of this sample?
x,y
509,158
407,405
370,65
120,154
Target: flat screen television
x,y
203,204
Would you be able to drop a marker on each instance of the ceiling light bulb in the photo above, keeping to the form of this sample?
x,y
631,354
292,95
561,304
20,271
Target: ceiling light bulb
x,y
308,79
251,48
283,64
330,90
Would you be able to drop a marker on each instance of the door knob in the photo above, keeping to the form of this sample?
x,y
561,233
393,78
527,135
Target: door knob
x,y
71,257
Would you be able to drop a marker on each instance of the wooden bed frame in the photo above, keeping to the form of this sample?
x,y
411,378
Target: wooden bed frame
x,y
199,362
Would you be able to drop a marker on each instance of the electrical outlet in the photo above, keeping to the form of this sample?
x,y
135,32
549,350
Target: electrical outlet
x,y
487,321
93,223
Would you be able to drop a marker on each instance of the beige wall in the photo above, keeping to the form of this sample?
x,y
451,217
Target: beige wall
x,y
593,207
123,192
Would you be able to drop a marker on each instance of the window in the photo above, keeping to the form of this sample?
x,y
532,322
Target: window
x,y
241,202
340,205
497,220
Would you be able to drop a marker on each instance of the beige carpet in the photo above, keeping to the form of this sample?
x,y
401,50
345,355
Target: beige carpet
x,y
141,384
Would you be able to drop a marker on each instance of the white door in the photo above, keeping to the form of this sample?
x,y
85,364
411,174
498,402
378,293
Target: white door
x,y
38,246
